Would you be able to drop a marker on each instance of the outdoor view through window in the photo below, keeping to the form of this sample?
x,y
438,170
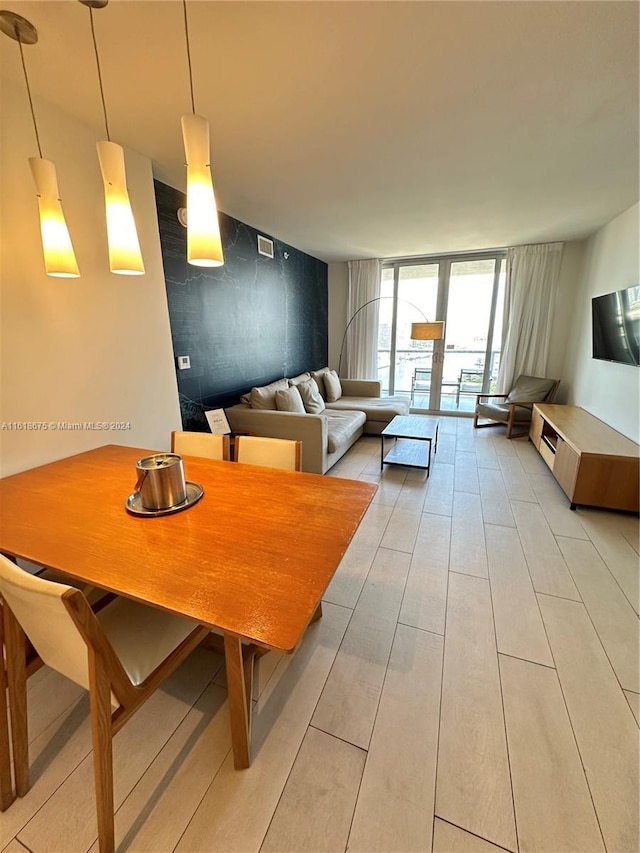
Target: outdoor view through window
x,y
468,295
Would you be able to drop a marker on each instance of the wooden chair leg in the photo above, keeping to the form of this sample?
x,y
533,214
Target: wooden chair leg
x,y
239,711
6,786
15,645
102,735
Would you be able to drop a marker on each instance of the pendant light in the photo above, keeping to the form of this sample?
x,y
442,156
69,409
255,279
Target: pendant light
x,y
59,257
204,246
125,257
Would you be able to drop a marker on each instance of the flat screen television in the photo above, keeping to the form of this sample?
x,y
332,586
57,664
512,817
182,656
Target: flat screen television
x,y
616,326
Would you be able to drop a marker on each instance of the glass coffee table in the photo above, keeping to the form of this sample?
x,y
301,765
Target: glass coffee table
x,y
414,431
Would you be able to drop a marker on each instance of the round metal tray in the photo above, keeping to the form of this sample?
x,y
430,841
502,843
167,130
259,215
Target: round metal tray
x,y
194,493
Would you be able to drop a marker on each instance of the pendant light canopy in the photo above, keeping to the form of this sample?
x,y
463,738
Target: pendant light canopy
x,y
59,257
204,246
125,257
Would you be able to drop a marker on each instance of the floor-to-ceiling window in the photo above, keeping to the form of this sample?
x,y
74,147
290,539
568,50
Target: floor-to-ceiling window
x,y
466,292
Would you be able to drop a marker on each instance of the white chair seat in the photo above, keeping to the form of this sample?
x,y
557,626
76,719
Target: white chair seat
x,y
142,636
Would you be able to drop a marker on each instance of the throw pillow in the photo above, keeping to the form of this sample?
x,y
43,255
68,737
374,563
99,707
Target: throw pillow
x,y
311,398
318,378
265,396
332,386
289,400
303,377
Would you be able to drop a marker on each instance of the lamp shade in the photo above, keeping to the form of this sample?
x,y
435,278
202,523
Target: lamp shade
x,y
204,246
59,257
125,257
427,331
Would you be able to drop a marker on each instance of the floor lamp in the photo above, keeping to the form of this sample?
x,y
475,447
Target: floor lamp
x,y
427,331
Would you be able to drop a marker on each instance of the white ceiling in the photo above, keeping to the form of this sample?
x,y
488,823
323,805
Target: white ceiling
x,y
367,129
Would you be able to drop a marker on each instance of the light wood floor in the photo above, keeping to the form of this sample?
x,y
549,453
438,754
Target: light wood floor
x,y
472,686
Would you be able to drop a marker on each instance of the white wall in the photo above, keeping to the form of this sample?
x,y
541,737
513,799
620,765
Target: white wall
x,y
97,348
569,283
609,391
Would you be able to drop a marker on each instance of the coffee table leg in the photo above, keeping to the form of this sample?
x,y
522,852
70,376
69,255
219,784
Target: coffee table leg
x,y
381,452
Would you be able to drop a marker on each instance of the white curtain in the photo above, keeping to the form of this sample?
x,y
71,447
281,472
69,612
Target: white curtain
x,y
529,302
360,355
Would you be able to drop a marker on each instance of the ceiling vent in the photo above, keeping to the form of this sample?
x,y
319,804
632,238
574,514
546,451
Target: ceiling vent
x,y
265,246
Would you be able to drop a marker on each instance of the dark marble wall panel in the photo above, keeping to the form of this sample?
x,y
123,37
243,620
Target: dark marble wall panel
x,y
246,323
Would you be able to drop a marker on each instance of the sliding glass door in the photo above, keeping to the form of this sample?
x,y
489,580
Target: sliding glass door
x,y
467,294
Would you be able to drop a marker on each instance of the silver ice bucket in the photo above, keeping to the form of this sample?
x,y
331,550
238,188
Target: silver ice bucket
x,y
161,481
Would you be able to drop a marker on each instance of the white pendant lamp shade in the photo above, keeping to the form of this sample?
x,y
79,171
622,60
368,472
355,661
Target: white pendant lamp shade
x,y
204,247
59,257
125,257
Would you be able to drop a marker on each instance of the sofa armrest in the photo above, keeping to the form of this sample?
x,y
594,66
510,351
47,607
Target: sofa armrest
x,y
361,387
311,430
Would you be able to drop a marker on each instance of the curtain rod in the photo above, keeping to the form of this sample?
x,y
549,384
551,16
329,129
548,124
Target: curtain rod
x,y
471,254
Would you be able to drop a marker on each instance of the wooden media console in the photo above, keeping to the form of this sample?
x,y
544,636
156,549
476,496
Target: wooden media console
x,y
594,464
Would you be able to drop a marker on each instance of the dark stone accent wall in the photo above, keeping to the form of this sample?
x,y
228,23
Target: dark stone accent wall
x,y
251,321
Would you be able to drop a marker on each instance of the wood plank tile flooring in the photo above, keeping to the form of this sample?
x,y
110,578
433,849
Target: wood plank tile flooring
x,y
472,686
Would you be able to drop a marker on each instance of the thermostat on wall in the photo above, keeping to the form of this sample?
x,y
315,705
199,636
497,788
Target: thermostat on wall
x,y
184,362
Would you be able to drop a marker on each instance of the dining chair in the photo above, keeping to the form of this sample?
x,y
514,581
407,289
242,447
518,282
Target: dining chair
x,y
201,444
33,662
269,452
120,654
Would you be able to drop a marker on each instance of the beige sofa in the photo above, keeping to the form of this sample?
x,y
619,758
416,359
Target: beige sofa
x,y
327,436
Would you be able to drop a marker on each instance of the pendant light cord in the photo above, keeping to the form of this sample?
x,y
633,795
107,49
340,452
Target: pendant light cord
x,y
186,33
95,47
26,80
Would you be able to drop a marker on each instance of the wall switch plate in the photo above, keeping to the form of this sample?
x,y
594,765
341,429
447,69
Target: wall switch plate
x,y
184,362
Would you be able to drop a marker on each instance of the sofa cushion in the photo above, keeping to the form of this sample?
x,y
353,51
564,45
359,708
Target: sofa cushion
x,y
342,426
530,389
375,408
332,386
289,400
302,377
313,402
318,377
264,397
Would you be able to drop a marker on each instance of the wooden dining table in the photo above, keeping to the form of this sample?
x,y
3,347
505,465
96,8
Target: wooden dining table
x,y
251,559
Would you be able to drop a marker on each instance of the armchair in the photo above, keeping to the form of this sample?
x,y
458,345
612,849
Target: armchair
x,y
515,408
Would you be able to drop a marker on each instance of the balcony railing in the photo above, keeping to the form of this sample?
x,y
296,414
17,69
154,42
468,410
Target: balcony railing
x,y
462,374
